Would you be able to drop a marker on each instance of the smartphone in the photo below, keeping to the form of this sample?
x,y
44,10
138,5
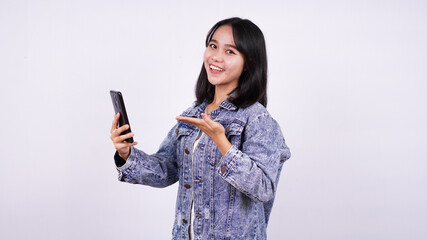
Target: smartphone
x,y
119,107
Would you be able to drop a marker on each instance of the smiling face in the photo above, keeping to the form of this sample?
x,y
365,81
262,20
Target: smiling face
x,y
223,63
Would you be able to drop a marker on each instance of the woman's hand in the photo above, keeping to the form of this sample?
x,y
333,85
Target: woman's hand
x,y
122,147
213,129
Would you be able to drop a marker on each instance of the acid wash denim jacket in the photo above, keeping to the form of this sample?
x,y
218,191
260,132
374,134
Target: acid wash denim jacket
x,y
233,194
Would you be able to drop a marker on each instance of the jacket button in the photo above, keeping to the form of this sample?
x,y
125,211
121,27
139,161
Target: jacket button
x,y
176,131
186,151
228,129
224,168
187,186
184,221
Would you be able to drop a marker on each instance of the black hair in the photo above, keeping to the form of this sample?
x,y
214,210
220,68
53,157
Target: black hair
x,y
252,86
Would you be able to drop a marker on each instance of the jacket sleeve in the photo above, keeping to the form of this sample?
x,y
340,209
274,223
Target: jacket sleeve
x,y
156,170
254,170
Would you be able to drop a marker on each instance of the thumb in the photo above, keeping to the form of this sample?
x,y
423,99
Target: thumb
x,y
208,120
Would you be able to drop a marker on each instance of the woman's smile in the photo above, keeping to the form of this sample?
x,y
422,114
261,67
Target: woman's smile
x,y
215,69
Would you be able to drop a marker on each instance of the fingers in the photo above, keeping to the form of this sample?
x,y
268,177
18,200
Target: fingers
x,y
116,134
120,144
115,122
205,122
117,131
123,137
118,140
195,121
208,120
124,145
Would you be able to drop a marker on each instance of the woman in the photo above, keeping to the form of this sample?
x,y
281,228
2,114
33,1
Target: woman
x,y
226,151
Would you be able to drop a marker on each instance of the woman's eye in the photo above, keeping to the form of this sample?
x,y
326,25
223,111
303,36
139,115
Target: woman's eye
x,y
212,45
230,52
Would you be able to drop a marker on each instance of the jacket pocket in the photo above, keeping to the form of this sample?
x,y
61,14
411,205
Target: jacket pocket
x,y
183,129
233,132
213,154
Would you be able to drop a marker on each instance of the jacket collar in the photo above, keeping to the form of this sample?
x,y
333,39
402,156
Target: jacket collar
x,y
227,105
197,109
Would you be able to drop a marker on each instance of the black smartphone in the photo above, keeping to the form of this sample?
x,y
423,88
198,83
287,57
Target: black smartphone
x,y
119,107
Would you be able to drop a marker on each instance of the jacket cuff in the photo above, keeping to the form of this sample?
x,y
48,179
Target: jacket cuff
x,y
228,161
124,167
119,161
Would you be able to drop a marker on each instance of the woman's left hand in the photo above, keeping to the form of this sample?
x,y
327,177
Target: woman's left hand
x,y
213,129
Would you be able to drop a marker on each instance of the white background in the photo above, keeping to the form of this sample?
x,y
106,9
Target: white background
x,y
347,84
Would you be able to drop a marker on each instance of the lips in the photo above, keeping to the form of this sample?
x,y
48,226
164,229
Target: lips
x,y
215,68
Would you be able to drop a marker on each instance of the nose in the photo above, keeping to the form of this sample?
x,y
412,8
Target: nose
x,y
217,58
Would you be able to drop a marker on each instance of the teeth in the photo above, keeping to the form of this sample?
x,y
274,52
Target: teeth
x,y
216,68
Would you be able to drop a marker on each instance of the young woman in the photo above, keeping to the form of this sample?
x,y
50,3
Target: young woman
x,y
226,150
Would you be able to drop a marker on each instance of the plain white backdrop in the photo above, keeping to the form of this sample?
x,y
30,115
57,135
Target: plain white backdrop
x,y
347,84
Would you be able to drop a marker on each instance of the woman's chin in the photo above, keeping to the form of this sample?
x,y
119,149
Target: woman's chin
x,y
214,81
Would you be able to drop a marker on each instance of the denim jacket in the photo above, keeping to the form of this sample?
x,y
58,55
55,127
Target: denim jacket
x,y
233,194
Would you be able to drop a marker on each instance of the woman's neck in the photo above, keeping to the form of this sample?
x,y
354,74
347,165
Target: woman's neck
x,y
220,96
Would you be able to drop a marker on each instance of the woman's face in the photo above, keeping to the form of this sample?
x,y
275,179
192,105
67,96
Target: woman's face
x,y
223,63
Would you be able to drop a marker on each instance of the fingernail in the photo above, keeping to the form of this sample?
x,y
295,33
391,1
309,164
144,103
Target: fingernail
x,y
203,115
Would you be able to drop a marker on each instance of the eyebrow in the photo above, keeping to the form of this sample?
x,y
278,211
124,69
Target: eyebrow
x,y
228,45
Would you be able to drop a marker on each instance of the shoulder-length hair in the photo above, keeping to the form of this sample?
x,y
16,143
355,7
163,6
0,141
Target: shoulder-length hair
x,y
252,86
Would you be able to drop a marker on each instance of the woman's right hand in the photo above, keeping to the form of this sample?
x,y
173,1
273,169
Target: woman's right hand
x,y
122,147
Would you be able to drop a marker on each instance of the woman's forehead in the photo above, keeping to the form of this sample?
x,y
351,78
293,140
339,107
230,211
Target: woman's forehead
x,y
224,35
